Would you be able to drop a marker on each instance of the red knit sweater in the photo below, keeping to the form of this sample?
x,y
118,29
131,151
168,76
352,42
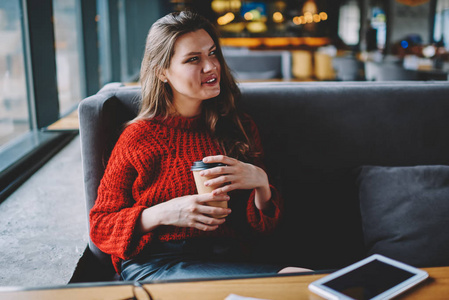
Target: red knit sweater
x,y
150,164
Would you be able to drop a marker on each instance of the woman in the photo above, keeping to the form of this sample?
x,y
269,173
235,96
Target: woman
x,y
147,214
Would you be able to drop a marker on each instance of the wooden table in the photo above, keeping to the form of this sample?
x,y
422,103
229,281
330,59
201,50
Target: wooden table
x,y
282,287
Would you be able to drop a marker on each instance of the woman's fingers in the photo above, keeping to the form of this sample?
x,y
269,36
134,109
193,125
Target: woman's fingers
x,y
220,180
205,198
214,209
195,211
235,175
220,159
216,171
204,219
205,227
209,221
211,210
225,189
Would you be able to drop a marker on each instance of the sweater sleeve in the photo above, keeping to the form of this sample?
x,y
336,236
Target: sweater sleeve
x,y
260,221
114,217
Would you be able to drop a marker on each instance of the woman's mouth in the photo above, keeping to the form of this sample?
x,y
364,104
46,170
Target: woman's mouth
x,y
210,80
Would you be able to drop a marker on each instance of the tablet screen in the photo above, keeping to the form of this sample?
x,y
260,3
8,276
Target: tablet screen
x,y
369,280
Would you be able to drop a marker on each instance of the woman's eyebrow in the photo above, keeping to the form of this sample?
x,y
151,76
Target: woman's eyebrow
x,y
197,53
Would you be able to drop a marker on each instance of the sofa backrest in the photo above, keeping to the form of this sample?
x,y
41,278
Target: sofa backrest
x,y
315,135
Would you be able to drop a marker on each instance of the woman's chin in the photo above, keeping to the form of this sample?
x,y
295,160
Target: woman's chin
x,y
212,94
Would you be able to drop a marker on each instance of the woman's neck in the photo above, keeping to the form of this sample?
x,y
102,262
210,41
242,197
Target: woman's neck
x,y
187,111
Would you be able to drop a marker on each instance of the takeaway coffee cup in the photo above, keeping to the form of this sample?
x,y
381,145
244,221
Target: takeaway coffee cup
x,y
196,168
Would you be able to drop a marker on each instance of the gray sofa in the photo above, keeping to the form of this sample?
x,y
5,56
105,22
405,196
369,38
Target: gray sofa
x,y
362,166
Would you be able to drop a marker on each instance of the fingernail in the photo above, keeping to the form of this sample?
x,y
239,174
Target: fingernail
x,y
201,173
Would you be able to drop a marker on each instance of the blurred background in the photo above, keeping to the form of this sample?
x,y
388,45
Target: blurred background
x,y
54,53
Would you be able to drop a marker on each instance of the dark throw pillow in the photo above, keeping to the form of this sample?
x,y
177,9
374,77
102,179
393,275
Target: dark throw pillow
x,y
405,213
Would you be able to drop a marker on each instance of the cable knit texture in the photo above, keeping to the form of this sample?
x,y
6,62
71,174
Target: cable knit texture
x,y
150,164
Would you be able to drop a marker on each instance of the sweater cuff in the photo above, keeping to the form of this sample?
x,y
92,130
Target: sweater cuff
x,y
265,222
116,234
137,241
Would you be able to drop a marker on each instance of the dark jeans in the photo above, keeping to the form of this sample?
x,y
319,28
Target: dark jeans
x,y
189,259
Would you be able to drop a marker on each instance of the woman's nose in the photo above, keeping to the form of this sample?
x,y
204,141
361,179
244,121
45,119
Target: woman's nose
x,y
209,64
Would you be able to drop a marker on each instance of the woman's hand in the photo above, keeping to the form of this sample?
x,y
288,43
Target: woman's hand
x,y
186,211
238,175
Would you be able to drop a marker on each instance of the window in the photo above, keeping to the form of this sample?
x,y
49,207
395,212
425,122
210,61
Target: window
x,y
441,31
379,22
28,91
14,114
349,24
68,48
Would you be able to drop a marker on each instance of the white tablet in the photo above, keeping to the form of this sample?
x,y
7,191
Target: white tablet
x,y
375,277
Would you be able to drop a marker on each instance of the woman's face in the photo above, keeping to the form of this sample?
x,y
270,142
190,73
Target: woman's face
x,y
194,72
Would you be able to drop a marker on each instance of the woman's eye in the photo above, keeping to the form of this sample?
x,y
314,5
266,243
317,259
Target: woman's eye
x,y
193,59
213,52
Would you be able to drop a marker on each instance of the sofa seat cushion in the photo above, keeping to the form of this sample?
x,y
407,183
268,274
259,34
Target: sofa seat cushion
x,y
405,213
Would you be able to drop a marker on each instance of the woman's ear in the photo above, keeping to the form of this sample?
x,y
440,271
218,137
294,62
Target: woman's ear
x,y
162,77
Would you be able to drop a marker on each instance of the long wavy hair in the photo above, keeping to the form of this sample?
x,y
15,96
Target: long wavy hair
x,y
222,118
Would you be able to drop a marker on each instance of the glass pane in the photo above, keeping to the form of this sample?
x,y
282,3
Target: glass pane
x,y
379,22
14,116
67,54
445,31
349,24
